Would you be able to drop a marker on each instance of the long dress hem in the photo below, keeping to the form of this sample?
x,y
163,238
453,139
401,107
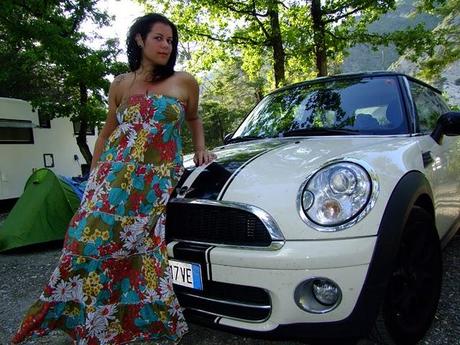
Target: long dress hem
x,y
113,283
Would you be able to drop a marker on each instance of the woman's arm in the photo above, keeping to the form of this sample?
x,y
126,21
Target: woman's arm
x,y
194,123
111,121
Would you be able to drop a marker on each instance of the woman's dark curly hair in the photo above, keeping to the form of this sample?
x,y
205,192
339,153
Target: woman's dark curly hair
x,y
142,26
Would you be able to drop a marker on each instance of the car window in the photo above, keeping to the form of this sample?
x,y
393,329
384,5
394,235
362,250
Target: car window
x,y
428,104
368,105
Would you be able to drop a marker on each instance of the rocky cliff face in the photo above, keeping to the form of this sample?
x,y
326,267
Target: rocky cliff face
x,y
448,82
449,79
363,58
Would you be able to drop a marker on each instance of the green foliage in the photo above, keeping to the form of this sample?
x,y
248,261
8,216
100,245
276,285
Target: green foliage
x,y
313,40
367,57
273,43
446,35
247,29
415,41
221,29
425,31
45,59
227,96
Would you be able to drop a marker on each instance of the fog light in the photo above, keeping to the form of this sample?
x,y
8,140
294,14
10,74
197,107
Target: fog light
x,y
318,295
325,291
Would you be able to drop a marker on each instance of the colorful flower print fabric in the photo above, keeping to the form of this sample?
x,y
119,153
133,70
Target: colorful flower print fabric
x,y
112,284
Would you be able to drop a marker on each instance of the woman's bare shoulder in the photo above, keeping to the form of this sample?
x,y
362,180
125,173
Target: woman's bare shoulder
x,y
123,79
185,77
120,86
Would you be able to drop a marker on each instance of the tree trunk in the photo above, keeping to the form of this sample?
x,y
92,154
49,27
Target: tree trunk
x,y
221,128
81,137
319,37
259,94
279,56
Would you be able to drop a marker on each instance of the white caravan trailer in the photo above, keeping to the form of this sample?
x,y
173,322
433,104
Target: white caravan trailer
x,y
27,143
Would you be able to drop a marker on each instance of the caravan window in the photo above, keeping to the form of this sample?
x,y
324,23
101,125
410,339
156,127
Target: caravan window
x,y
76,129
16,132
44,119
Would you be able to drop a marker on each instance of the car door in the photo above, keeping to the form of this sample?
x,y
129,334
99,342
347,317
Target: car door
x,y
441,161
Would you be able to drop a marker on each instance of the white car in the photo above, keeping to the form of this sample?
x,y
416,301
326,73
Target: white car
x,y
324,214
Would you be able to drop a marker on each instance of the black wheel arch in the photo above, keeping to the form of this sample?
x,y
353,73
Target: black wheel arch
x,y
413,189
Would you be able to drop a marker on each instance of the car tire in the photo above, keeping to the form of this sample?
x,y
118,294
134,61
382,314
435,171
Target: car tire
x,y
413,290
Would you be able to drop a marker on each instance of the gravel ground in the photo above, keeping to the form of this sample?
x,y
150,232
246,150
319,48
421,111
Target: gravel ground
x,y
24,274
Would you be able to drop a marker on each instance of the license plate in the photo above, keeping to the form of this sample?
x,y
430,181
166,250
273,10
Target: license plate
x,y
186,274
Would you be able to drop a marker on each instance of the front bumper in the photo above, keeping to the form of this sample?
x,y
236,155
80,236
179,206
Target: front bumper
x,y
277,273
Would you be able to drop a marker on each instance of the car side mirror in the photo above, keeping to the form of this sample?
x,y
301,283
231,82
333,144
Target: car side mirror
x,y
227,137
447,124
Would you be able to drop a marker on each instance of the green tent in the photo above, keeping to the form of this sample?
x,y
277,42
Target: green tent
x,y
41,214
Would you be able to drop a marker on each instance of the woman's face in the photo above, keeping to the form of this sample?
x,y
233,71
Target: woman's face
x,y
158,44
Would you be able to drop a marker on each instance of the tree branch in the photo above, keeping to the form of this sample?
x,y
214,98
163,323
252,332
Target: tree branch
x,y
340,8
251,12
335,36
282,4
335,19
234,39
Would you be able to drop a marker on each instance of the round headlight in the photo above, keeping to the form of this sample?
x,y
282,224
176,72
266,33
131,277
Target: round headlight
x,y
343,181
336,194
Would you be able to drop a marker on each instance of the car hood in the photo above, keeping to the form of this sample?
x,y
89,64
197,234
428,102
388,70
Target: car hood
x,y
268,174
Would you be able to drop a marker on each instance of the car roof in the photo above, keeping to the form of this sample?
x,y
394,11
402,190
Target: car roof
x,y
345,76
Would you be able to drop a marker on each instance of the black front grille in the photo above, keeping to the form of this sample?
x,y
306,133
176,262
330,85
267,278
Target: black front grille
x,y
227,300
215,224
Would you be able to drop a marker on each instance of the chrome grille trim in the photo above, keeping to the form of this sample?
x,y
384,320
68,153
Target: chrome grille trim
x,y
226,316
246,305
273,246
267,220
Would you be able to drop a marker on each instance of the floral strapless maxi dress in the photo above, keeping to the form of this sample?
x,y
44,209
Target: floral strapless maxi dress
x,y
112,284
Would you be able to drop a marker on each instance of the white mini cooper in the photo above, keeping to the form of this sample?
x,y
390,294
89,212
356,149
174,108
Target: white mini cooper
x,y
324,214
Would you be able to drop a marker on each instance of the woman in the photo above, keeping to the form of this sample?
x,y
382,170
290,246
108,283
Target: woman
x,y
112,285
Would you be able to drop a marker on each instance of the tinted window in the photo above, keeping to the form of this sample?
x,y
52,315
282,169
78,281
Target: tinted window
x,y
428,104
360,106
16,132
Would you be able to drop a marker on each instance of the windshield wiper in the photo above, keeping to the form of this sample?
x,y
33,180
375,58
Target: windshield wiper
x,y
318,131
244,138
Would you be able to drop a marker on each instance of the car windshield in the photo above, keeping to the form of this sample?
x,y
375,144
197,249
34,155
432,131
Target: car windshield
x,y
368,105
